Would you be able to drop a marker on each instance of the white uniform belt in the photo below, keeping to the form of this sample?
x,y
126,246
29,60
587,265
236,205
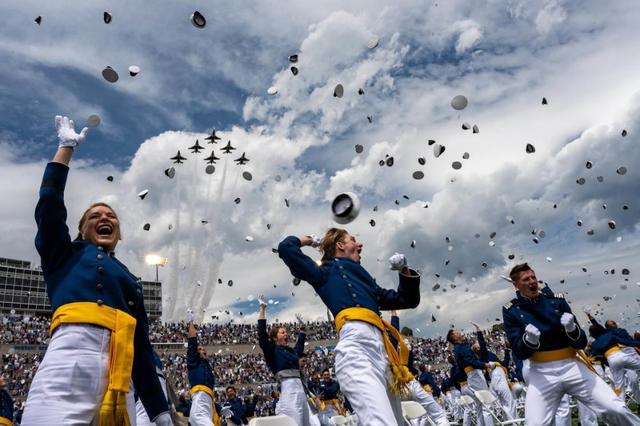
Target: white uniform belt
x,y
289,373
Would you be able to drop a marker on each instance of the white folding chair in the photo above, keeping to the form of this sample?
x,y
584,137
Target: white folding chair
x,y
412,410
488,399
353,420
338,420
280,420
467,403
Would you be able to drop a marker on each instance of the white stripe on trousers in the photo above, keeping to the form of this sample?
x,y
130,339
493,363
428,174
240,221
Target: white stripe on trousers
x,y
361,370
293,403
549,381
70,383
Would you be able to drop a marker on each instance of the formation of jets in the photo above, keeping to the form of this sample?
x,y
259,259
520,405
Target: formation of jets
x,y
211,159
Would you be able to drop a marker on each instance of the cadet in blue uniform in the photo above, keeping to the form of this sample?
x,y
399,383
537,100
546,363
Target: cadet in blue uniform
x,y
6,405
474,368
364,352
499,376
285,365
619,348
201,380
541,328
330,404
451,392
459,377
99,341
237,407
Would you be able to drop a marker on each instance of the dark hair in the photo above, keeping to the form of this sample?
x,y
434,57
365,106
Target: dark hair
x,y
406,331
450,335
515,271
230,387
329,241
326,370
596,330
302,355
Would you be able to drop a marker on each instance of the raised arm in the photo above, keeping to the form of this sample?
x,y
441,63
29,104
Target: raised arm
x,y
52,240
263,338
192,347
302,337
484,353
300,265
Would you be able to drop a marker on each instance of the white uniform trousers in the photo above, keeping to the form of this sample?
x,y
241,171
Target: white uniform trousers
x,y
142,419
325,415
563,413
500,387
549,381
452,402
476,381
293,403
434,410
621,361
70,383
362,368
201,413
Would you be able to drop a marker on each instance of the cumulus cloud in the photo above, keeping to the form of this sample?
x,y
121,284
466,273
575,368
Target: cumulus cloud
x,y
505,58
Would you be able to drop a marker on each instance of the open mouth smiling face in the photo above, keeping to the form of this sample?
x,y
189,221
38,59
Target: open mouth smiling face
x,y
102,227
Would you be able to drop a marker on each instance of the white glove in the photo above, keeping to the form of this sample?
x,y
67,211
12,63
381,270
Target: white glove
x,y
492,365
315,241
67,135
163,419
568,322
532,335
226,411
586,310
261,301
190,316
397,262
299,318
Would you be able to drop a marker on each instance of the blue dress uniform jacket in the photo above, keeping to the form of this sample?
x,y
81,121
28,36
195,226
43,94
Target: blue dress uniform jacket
x,y
79,271
279,357
544,312
198,369
342,283
237,407
6,405
329,390
448,384
610,338
426,378
458,375
466,358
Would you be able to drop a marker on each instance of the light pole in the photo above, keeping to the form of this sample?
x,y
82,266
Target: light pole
x,y
156,260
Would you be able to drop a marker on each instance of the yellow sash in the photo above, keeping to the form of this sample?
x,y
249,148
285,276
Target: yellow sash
x,y
122,325
468,369
427,388
565,353
5,421
335,402
613,349
217,421
398,360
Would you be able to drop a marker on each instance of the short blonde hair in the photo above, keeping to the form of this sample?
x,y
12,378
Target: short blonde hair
x,y
329,241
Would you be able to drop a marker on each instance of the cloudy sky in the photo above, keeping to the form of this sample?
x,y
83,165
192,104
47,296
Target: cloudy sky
x,y
504,56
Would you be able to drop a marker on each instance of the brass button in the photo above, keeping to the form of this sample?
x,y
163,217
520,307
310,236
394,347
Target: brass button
x,y
353,295
100,256
100,248
99,286
100,302
130,302
100,270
